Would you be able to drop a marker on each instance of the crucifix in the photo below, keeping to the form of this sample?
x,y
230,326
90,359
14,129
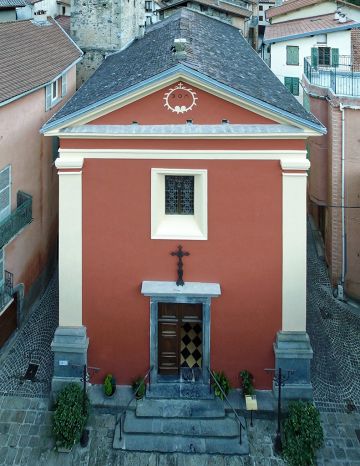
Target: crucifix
x,y
180,254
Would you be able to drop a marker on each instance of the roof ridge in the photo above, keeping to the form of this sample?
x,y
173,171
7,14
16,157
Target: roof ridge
x,y
302,19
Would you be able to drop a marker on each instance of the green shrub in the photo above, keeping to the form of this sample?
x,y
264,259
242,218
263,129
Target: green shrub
x,y
247,382
109,385
302,434
69,419
224,383
139,385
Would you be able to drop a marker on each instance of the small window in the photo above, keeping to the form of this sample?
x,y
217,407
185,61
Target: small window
x,y
292,84
148,6
261,18
324,56
292,55
261,7
179,195
5,192
54,90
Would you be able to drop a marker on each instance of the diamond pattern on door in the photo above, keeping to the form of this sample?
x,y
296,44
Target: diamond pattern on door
x,y
190,345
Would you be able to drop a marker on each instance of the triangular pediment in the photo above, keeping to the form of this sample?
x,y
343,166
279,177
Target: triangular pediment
x,y
180,103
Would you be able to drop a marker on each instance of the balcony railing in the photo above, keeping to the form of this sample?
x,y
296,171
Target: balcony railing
x,y
18,218
343,78
6,290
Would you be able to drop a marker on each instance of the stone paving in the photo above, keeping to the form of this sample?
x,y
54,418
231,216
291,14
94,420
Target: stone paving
x,y
25,421
334,330
32,344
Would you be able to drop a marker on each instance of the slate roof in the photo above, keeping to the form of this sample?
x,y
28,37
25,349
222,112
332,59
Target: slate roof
x,y
12,3
305,27
32,55
215,49
235,10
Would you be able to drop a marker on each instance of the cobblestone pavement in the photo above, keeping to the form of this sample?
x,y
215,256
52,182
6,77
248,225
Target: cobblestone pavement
x,y
32,344
25,439
334,330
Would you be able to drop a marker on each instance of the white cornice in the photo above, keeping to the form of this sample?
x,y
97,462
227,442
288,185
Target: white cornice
x,y
291,164
69,163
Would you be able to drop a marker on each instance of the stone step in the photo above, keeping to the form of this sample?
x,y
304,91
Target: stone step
x,y
172,390
226,427
171,444
163,408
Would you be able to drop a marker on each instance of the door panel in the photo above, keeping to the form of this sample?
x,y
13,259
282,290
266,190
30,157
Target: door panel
x,y
168,348
189,312
168,311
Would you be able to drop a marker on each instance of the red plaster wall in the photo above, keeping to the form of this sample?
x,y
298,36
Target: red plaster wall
x,y
209,109
243,253
186,144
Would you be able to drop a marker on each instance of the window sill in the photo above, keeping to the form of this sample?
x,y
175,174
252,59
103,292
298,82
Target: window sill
x,y
179,227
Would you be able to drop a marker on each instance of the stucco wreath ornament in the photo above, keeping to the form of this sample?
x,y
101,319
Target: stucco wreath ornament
x,y
180,99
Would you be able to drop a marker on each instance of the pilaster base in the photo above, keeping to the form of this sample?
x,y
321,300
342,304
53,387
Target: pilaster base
x,y
293,352
69,346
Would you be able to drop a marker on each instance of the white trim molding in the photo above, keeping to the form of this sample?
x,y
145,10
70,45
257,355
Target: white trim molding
x,y
69,163
190,227
70,248
77,155
294,246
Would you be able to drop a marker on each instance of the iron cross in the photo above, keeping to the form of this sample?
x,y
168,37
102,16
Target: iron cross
x,y
180,254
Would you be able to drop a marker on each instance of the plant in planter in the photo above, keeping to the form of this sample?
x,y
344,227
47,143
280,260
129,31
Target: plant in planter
x,y
302,434
247,383
71,414
139,387
224,383
109,385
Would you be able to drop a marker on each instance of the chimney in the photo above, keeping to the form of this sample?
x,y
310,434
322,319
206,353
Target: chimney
x,y
180,48
342,18
40,18
337,14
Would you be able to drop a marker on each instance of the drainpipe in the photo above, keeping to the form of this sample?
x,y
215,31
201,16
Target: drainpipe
x,y
341,284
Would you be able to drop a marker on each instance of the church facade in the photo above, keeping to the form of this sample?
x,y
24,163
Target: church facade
x,y
182,225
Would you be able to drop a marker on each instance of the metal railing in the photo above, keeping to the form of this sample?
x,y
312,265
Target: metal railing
x,y
18,218
343,77
6,289
122,413
241,426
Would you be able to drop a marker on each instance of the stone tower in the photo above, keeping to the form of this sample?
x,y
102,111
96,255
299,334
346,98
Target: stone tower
x,y
100,27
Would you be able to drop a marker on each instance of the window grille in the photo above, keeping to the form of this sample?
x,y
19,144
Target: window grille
x,y
179,195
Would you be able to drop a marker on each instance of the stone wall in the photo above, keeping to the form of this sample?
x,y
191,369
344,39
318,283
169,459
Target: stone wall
x,y
101,27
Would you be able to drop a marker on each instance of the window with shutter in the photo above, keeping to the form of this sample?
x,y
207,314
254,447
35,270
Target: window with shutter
x,y
314,57
292,84
63,85
334,57
5,192
292,55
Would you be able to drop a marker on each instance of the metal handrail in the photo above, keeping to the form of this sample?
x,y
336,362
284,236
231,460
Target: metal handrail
x,y
17,219
6,289
241,426
119,420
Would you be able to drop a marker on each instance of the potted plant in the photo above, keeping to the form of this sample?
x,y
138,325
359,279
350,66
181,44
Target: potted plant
x,y
70,416
247,383
139,387
109,385
224,383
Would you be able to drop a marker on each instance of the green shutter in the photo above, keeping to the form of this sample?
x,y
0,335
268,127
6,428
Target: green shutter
x,y
63,85
334,57
314,57
295,86
292,55
48,97
287,83
306,101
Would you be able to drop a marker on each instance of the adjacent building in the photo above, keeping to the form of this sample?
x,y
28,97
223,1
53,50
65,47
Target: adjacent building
x,y
239,13
307,29
182,233
333,95
8,9
37,75
101,28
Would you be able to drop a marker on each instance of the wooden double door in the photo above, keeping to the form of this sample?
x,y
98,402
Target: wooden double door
x,y
177,322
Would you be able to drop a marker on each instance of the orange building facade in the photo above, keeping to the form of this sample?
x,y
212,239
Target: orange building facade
x,y
181,160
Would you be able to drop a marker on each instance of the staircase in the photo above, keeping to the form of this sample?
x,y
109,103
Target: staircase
x,y
181,425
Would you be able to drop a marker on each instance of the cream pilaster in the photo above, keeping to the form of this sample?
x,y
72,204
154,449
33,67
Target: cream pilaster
x,y
70,241
294,245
